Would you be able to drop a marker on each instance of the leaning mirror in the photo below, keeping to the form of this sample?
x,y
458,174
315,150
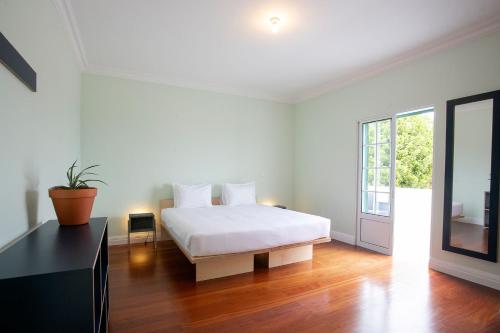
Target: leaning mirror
x,y
471,176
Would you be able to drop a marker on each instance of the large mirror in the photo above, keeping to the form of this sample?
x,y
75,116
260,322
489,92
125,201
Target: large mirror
x,y
471,176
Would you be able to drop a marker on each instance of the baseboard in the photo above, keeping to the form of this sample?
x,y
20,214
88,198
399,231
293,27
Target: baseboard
x,y
344,238
134,238
466,273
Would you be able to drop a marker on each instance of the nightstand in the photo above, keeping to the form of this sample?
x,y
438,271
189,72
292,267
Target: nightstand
x,y
142,223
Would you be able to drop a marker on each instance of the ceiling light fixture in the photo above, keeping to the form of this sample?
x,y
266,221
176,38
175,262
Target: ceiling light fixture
x,y
275,24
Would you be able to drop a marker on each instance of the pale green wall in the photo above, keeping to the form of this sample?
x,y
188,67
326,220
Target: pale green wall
x,y
326,131
148,136
39,132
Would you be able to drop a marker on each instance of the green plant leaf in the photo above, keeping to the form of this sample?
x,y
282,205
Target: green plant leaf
x,y
75,181
82,184
95,180
69,174
82,172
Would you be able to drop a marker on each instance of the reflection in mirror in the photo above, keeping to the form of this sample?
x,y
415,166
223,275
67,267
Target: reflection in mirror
x,y
471,176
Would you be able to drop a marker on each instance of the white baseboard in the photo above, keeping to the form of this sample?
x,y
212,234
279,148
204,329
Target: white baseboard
x,y
134,238
466,273
138,237
344,238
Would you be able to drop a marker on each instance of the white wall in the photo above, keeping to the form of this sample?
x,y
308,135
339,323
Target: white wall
x,y
39,131
148,136
472,156
326,132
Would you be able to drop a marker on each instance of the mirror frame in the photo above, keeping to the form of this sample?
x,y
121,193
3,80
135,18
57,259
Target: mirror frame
x,y
494,183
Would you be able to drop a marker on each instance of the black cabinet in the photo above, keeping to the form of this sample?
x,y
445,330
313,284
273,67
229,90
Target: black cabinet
x,y
55,279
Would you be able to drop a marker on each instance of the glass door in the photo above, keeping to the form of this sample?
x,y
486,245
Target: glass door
x,y
376,185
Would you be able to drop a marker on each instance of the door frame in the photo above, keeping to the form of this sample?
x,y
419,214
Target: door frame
x,y
374,217
393,116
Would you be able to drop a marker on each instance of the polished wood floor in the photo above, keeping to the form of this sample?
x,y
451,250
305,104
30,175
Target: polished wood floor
x,y
469,236
344,289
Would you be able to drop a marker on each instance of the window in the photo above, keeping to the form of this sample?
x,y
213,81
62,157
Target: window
x,y
376,173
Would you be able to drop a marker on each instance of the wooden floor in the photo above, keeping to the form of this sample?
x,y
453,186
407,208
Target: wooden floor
x,y
344,289
469,236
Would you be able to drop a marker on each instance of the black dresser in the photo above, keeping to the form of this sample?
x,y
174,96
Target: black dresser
x,y
56,280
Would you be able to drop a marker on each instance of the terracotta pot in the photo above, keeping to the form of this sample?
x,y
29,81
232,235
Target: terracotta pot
x,y
73,207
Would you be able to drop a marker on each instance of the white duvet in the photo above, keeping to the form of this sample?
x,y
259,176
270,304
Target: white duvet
x,y
223,229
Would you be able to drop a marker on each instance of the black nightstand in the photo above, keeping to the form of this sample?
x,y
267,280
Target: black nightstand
x,y
142,223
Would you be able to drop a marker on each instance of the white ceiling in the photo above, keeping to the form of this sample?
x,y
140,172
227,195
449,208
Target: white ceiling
x,y
227,45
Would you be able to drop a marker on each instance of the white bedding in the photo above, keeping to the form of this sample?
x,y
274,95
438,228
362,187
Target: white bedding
x,y
223,229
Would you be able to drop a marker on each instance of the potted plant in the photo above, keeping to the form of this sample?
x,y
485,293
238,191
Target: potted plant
x,y
73,203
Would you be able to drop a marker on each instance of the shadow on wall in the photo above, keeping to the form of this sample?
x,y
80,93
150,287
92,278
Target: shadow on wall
x,y
31,197
164,191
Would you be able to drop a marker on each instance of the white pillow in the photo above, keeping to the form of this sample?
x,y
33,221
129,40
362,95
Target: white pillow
x,y
192,196
238,194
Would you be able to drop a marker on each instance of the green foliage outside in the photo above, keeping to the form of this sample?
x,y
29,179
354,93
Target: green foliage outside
x,y
377,135
414,151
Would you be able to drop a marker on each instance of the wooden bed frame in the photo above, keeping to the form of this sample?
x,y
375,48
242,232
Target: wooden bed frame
x,y
216,266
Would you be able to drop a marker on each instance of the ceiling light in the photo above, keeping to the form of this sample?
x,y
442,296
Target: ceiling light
x,y
275,24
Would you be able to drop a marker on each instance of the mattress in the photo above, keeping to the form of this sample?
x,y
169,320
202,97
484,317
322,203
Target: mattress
x,y
223,229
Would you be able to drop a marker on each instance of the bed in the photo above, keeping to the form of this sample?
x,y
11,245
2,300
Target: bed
x,y
223,241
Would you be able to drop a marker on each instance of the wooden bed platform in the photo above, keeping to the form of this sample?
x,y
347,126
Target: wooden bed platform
x,y
216,266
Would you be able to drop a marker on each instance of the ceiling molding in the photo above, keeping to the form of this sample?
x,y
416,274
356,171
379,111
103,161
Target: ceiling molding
x,y
179,83
474,31
441,44
65,9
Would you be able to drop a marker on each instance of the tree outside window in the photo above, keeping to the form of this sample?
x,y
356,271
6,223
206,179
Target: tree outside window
x,y
414,151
